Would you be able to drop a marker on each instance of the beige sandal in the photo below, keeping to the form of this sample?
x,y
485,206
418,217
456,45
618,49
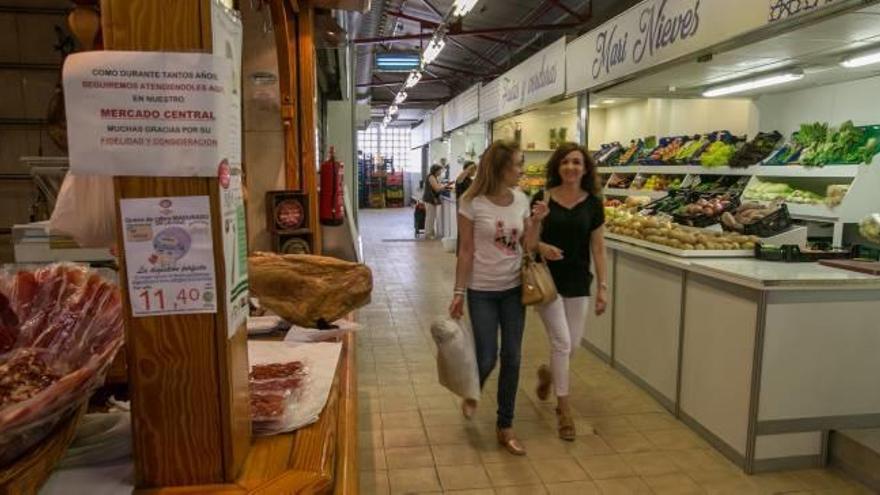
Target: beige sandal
x,y
567,429
545,381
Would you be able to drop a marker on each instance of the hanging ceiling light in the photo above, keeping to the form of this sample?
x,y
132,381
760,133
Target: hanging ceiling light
x,y
413,79
861,60
400,98
432,51
392,110
460,8
748,85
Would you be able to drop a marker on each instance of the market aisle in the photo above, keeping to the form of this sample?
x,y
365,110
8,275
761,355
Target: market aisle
x,y
414,440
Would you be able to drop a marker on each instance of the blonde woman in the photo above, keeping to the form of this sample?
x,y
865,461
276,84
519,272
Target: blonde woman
x,y
495,223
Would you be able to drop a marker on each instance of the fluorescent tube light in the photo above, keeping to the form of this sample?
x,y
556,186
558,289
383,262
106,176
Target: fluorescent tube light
x,y
608,102
594,106
861,60
432,51
760,82
398,61
413,79
400,98
460,8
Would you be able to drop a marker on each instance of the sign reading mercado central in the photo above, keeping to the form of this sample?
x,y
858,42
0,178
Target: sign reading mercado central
x,y
538,79
657,31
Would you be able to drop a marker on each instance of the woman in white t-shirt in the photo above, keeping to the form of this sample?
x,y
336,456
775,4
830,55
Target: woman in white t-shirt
x,y
494,223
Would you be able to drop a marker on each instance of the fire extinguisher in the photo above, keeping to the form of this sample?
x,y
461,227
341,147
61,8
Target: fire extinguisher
x,y
332,208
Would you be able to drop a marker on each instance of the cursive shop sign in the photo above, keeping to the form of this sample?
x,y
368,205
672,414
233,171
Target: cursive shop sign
x,y
539,78
657,31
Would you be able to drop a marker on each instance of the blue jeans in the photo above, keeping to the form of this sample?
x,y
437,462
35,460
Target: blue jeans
x,y
490,310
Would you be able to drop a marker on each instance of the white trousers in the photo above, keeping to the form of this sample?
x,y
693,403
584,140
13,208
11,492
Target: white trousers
x,y
431,214
564,319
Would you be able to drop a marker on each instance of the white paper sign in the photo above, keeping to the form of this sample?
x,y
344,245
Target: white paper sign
x,y
235,250
538,79
169,255
148,113
227,39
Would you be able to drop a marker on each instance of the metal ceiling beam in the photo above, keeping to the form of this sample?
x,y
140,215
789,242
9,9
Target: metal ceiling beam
x,y
539,10
474,53
434,9
475,32
460,70
568,10
424,80
434,24
408,102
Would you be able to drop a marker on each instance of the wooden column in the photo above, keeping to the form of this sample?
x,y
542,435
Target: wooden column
x,y
188,380
284,24
294,24
307,109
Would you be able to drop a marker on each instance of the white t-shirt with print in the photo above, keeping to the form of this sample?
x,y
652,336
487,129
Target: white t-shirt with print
x,y
498,232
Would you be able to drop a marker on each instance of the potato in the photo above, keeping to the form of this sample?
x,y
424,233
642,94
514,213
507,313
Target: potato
x,y
700,247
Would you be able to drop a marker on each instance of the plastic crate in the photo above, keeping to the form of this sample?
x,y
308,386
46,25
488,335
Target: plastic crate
x,y
705,220
791,253
775,223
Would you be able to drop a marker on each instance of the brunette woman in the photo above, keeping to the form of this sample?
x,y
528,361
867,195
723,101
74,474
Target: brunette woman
x,y
495,222
464,179
431,198
572,235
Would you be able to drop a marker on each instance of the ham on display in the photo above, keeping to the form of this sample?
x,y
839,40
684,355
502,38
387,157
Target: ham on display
x,y
275,389
60,327
306,290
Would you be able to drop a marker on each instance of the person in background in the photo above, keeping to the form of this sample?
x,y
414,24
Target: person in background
x,y
464,179
495,223
572,233
431,198
462,183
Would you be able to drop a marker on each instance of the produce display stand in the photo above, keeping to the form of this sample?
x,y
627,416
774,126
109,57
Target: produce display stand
x,y
761,359
861,199
683,253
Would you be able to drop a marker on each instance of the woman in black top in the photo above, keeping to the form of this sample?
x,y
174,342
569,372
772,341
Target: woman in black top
x,y
464,179
431,198
572,232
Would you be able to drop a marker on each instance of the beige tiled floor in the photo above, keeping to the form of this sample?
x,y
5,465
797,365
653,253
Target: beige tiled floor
x,y
413,438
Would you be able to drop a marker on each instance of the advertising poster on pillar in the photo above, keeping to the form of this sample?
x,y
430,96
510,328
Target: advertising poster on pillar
x,y
149,113
658,31
536,80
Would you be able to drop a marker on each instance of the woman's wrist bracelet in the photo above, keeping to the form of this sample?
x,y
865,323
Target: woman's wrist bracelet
x,y
459,291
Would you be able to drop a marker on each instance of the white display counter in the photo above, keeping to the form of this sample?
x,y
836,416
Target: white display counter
x,y
762,359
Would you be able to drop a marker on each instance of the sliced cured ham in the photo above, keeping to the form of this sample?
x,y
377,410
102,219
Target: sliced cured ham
x,y
60,327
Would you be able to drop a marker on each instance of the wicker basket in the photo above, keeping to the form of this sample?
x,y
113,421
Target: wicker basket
x,y
27,474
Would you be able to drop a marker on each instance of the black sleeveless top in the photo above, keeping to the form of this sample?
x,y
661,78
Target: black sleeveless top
x,y
570,230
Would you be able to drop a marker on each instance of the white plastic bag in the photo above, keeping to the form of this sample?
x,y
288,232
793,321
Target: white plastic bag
x,y
86,211
456,358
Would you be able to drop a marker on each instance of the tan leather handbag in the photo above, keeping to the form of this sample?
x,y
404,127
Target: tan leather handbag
x,y
538,286
537,283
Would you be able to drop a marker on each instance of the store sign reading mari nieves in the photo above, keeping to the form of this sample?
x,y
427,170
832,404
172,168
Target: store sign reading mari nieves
x,y
657,31
538,79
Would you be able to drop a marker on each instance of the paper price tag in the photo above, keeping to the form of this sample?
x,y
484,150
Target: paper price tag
x,y
169,255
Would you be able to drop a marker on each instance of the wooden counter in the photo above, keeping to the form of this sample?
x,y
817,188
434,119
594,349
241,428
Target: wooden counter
x,y
320,458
